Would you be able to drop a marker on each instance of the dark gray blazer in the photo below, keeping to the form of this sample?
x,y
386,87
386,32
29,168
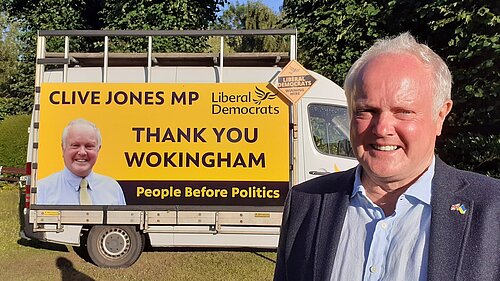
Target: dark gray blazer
x,y
462,247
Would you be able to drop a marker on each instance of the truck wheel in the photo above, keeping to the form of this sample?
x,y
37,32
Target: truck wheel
x,y
114,246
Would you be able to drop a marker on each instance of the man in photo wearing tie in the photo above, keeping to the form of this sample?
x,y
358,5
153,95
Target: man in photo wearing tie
x,y
402,213
77,184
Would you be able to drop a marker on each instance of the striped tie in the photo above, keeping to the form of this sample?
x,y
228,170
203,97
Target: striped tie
x,y
84,193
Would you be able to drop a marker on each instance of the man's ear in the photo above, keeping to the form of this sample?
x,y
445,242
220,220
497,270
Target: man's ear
x,y
443,112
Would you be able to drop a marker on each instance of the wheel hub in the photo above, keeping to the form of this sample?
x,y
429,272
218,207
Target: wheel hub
x,y
115,243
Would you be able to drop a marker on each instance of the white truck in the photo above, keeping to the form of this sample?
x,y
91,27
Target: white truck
x,y
204,146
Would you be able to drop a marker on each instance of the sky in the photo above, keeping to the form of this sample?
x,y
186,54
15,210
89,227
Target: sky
x,y
273,4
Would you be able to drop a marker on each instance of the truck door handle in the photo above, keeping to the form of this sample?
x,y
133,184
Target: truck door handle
x,y
318,173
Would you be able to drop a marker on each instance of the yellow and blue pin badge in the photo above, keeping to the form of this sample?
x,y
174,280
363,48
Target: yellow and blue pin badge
x,y
459,207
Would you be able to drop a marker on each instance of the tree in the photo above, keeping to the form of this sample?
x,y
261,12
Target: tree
x,y
332,35
34,15
466,34
31,16
160,15
9,51
10,103
252,15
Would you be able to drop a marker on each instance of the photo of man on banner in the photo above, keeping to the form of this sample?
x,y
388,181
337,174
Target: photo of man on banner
x,y
77,183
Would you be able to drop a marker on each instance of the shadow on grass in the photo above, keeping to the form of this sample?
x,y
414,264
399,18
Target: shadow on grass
x,y
42,245
68,271
264,257
82,252
256,251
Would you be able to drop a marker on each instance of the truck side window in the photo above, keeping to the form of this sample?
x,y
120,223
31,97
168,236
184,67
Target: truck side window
x,y
330,129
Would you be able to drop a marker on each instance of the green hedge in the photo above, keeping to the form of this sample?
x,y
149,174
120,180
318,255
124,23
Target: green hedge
x,y
14,140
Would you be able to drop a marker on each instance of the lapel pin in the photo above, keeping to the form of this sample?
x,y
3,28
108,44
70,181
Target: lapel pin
x,y
459,207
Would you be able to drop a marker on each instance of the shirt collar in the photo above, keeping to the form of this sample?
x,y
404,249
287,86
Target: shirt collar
x,y
421,189
358,187
74,180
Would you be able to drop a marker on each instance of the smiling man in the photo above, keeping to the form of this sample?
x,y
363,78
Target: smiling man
x,y
401,214
77,184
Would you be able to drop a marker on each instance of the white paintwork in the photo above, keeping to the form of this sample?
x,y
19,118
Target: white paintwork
x,y
70,235
167,74
200,236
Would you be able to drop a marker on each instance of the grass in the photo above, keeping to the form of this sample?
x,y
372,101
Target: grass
x,y
34,260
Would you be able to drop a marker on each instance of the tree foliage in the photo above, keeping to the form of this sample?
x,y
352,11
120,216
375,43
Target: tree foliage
x,y
9,51
333,34
10,103
160,15
252,15
34,15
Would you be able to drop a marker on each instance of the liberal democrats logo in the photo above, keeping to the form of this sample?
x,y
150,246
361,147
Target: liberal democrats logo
x,y
262,96
241,104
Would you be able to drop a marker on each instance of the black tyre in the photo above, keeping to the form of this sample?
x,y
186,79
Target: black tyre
x,y
114,246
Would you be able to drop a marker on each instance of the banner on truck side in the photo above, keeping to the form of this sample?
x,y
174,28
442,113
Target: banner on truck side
x,y
168,144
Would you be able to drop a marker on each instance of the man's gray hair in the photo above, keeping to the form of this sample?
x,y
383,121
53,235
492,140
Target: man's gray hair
x,y
404,43
81,123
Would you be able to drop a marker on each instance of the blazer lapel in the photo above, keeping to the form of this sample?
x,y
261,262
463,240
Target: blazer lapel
x,y
450,220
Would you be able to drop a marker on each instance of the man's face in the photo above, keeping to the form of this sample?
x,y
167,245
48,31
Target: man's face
x,y
393,128
81,150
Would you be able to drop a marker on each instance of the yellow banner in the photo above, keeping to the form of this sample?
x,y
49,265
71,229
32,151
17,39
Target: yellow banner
x,y
194,132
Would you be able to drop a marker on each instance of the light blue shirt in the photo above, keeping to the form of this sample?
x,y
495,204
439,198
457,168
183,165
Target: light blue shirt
x,y
375,247
62,188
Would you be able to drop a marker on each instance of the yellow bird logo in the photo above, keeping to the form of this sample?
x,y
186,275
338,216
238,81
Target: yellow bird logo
x,y
262,96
